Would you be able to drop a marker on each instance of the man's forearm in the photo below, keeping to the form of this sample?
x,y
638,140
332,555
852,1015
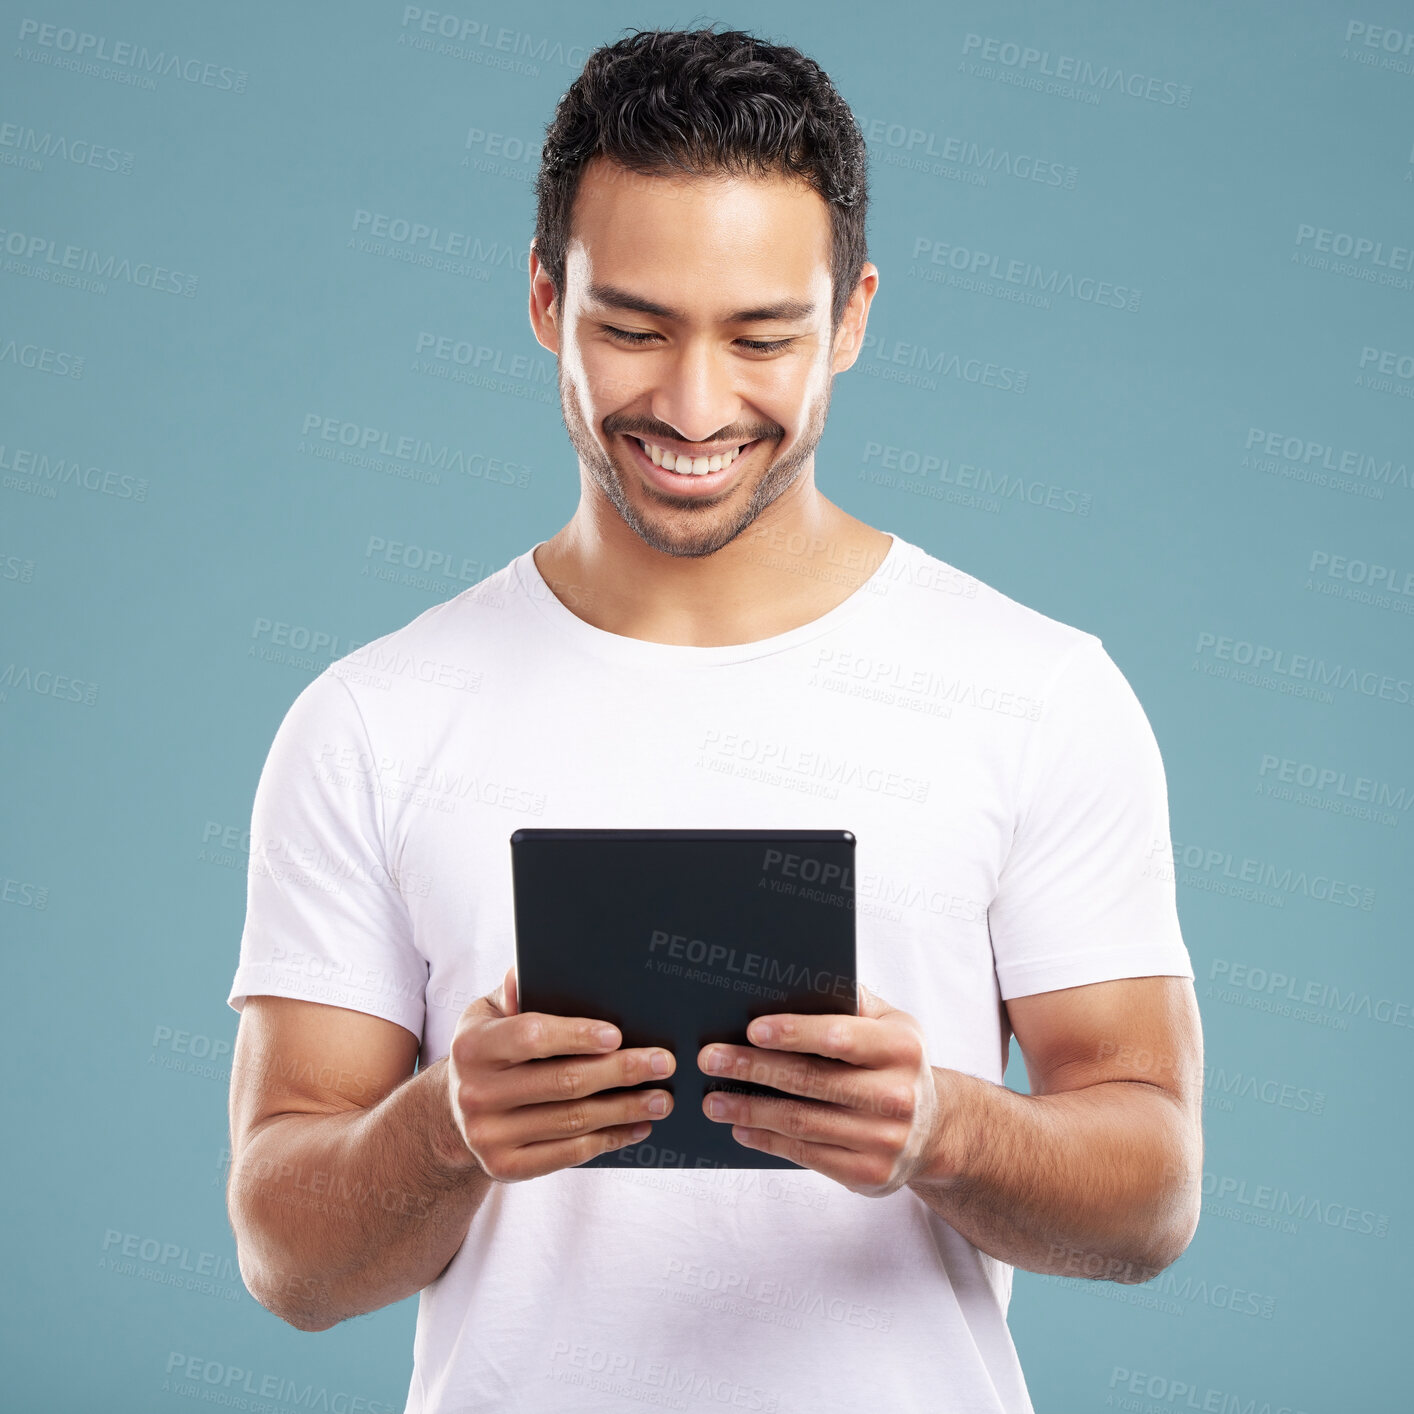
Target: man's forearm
x,y
1098,1182
340,1214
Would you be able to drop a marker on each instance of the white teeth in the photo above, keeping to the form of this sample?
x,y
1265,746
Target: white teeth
x,y
684,465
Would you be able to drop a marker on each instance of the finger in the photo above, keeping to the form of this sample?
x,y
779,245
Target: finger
x,y
501,1002
806,1120
831,1081
540,1124
872,1005
535,1082
857,1039
532,1035
535,1160
861,1173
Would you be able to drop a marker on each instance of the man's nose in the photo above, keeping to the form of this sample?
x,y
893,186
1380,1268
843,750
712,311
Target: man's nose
x,y
697,393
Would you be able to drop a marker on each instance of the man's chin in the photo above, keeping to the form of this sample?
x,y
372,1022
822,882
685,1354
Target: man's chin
x,y
677,526
691,531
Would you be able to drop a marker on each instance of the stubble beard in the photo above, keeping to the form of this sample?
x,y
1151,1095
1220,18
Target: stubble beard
x,y
686,528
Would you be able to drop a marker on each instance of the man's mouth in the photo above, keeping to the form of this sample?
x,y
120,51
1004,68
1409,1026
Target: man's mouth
x,y
684,465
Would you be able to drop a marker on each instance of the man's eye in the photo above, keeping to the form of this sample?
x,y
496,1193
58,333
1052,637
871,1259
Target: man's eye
x,y
627,335
632,337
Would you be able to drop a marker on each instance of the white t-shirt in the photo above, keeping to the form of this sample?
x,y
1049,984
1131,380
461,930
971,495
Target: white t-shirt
x,y
1011,816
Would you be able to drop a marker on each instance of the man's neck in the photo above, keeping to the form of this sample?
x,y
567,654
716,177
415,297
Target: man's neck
x,y
780,573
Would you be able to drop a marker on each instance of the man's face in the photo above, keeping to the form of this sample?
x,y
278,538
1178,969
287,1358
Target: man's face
x,y
695,323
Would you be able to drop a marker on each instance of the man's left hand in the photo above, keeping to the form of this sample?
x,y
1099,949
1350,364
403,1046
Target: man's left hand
x,y
861,1103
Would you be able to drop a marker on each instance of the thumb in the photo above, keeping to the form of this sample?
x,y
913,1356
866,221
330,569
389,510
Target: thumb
x,y
504,1001
872,1005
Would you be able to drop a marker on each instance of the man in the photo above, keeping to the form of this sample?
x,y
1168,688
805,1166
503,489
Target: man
x,y
710,642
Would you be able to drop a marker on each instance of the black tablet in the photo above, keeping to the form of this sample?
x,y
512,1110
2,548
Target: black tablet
x,y
679,938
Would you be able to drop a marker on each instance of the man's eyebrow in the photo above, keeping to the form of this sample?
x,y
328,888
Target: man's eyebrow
x,y
616,298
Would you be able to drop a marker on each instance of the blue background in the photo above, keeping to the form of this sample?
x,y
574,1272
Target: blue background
x,y
182,549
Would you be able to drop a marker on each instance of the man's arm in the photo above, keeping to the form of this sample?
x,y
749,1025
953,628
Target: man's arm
x,y
1097,1172
346,1191
354,1181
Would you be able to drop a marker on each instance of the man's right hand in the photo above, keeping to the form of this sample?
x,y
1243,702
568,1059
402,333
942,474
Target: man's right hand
x,y
525,1089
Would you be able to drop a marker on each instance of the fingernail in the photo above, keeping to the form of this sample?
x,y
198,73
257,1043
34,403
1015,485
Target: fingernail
x,y
660,1063
606,1036
658,1105
639,1131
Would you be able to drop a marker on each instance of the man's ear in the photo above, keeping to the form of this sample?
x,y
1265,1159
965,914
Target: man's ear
x,y
544,304
849,337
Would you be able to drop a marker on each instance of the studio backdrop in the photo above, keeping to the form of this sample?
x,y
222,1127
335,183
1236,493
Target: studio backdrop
x,y
1142,357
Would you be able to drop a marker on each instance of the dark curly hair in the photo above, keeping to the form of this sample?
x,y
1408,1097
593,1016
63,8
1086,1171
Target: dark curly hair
x,y
702,102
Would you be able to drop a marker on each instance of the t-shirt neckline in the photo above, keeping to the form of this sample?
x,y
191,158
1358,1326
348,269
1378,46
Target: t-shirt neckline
x,y
620,648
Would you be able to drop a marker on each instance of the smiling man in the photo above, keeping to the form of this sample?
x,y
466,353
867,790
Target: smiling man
x,y
696,424
710,642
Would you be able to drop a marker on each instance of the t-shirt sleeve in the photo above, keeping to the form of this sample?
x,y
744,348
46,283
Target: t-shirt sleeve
x,y
326,919
1086,893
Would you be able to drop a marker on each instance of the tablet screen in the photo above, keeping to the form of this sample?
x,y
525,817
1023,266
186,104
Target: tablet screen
x,y
680,938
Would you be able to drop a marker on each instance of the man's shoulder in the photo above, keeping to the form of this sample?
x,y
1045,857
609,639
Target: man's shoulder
x,y
964,615
443,646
